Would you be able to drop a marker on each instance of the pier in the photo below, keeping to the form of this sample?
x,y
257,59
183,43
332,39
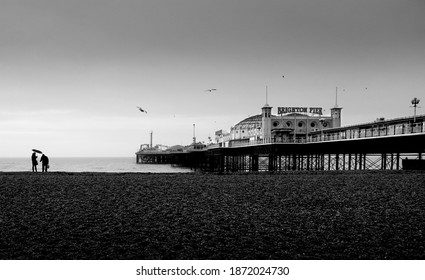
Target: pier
x,y
386,145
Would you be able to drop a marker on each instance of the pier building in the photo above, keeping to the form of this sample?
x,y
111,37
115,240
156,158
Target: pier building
x,y
291,124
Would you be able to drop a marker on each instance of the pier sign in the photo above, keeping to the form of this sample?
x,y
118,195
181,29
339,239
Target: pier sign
x,y
311,110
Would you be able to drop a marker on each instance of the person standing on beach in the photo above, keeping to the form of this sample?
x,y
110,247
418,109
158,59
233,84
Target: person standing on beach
x,y
44,163
34,162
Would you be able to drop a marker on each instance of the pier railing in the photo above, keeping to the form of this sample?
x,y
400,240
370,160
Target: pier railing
x,y
350,133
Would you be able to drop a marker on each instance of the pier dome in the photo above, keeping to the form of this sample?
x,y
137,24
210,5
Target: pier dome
x,y
253,121
249,128
250,121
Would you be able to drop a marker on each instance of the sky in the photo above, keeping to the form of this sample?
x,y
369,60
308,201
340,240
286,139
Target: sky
x,y
73,72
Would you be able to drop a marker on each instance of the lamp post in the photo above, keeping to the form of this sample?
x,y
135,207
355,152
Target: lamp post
x,y
415,102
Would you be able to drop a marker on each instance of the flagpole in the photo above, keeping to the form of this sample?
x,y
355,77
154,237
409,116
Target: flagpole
x,y
336,97
266,95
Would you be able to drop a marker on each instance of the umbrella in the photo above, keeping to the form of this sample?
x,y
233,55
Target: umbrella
x,y
37,151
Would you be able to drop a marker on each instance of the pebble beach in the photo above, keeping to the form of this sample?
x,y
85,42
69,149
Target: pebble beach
x,y
295,215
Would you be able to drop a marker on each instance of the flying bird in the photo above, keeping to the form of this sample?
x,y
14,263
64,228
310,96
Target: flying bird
x,y
141,110
211,90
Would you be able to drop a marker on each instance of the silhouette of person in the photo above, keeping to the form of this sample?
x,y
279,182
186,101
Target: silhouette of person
x,y
44,163
34,162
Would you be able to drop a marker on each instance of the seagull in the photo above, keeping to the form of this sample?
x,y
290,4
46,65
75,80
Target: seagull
x,y
141,110
210,90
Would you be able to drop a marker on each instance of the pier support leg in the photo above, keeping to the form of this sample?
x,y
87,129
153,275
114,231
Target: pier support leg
x,y
337,162
349,161
355,159
392,161
221,161
254,163
329,161
271,162
308,161
398,161
280,163
364,166
384,161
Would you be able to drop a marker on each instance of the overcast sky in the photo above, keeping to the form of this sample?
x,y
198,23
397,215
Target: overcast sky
x,y
73,72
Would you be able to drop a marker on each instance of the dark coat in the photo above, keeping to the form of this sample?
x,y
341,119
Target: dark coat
x,y
44,160
34,159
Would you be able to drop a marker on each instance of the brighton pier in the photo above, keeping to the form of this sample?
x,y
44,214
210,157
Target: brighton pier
x,y
302,141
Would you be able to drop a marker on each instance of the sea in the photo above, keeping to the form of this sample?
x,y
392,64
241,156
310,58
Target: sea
x,y
90,164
